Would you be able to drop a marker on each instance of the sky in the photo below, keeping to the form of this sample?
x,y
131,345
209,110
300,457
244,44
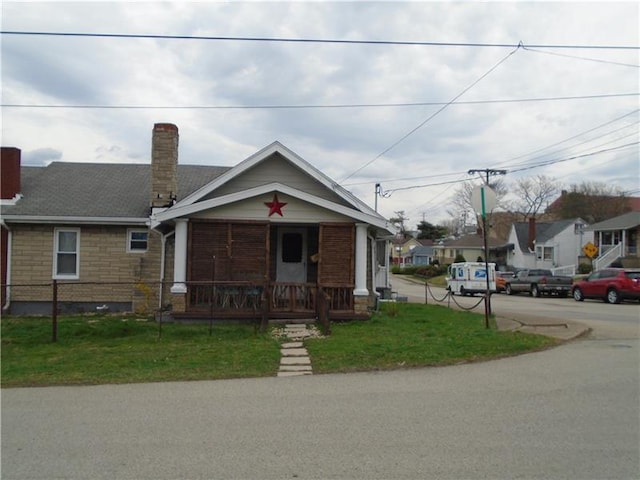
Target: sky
x,y
422,93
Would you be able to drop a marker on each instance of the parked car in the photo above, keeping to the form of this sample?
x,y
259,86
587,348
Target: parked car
x,y
537,282
613,285
501,280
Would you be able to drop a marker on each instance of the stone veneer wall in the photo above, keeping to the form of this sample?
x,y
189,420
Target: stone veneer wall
x,y
104,261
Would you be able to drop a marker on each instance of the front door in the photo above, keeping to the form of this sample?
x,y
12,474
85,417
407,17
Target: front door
x,y
291,266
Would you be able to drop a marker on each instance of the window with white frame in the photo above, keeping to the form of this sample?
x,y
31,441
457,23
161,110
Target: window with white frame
x,y
137,240
544,253
66,255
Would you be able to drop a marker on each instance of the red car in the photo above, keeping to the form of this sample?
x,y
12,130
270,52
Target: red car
x,y
612,285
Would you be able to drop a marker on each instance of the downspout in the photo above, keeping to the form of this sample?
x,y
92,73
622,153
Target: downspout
x,y
7,304
163,251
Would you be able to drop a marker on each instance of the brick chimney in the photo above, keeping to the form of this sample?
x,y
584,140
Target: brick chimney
x,y
164,164
10,173
532,233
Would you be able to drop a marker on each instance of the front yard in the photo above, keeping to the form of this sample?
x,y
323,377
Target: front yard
x,y
128,349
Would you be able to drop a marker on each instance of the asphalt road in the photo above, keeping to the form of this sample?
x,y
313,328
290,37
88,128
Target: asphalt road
x,y
572,412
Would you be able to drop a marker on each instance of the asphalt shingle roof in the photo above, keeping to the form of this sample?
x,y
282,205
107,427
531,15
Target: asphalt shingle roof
x,y
544,231
94,190
622,222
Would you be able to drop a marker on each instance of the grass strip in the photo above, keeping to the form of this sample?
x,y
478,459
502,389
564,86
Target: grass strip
x,y
410,335
127,349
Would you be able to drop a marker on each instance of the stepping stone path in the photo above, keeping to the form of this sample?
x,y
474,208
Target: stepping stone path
x,y
295,358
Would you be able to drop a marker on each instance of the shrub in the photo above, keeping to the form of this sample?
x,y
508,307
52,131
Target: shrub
x,y
584,268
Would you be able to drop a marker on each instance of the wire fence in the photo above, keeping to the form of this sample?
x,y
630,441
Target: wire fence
x,y
224,301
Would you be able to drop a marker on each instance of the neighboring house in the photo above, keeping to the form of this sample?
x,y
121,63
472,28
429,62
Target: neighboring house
x,y
617,240
266,236
420,255
401,246
547,245
471,247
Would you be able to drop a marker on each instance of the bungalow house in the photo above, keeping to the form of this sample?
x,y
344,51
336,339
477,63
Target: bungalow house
x,y
420,255
617,240
547,245
401,246
471,247
270,237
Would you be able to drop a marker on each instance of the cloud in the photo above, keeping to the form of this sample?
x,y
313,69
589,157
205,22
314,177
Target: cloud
x,y
40,157
340,142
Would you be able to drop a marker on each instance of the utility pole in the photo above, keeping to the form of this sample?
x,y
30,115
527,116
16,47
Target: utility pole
x,y
487,299
488,172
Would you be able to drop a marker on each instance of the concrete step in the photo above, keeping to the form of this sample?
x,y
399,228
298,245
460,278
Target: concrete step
x,y
294,352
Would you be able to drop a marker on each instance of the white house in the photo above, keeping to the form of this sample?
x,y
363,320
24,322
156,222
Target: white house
x,y
550,245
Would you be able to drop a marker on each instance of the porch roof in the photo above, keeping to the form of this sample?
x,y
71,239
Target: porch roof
x,y
622,222
187,209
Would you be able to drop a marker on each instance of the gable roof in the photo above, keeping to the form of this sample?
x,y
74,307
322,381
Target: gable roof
x,y
95,192
263,154
202,199
622,222
469,241
545,231
422,250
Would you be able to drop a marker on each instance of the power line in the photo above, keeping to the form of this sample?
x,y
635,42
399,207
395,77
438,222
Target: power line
x,y
573,137
311,40
313,106
583,58
437,112
529,167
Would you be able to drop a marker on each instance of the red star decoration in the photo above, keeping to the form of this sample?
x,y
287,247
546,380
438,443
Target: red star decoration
x,y
275,206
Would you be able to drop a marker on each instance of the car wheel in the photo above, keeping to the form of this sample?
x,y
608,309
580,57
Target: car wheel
x,y
535,291
577,295
462,291
507,289
613,296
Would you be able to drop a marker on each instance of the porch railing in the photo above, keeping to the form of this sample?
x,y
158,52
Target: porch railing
x,y
610,256
242,298
239,296
568,270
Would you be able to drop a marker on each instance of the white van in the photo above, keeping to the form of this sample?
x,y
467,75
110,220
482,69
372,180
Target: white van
x,y
468,278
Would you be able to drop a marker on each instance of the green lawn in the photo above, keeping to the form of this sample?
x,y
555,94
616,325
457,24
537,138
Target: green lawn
x,y
407,335
108,349
126,349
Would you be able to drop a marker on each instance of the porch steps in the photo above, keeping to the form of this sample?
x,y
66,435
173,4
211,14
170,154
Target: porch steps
x,y
295,358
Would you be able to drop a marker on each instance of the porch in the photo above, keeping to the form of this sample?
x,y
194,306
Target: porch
x,y
244,300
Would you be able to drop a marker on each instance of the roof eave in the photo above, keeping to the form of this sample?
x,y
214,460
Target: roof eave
x,y
41,219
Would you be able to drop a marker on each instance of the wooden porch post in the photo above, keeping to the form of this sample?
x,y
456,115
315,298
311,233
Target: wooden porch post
x,y
361,261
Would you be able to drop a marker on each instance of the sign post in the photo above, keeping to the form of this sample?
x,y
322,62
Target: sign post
x,y
483,199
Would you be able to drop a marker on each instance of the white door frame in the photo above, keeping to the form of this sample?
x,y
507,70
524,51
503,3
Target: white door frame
x,y
291,271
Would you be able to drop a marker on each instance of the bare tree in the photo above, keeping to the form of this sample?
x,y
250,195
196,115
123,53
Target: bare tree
x,y
462,210
534,193
400,222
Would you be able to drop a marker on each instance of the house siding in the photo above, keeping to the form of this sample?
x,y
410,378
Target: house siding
x,y
295,211
103,259
277,169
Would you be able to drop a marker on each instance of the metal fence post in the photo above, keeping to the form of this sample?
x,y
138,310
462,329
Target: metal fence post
x,y
54,312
